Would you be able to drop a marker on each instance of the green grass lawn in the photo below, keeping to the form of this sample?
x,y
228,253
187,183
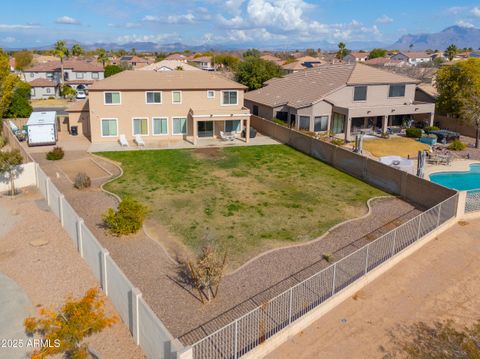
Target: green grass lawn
x,y
245,199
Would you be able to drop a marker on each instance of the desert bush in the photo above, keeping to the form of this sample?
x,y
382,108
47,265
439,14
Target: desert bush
x,y
337,142
128,219
279,122
55,154
82,181
414,132
431,128
457,145
328,257
2,141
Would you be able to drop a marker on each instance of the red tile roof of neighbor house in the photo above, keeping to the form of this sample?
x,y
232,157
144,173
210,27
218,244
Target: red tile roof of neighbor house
x,y
79,82
358,55
382,61
134,59
176,57
75,65
42,83
415,54
202,59
272,58
303,88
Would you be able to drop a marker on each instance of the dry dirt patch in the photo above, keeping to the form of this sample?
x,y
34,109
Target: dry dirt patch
x,y
87,165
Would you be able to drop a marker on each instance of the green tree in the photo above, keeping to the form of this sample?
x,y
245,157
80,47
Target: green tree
x,y
253,72
20,104
77,50
102,56
22,59
451,51
111,70
251,53
68,92
7,88
61,50
9,162
226,60
76,320
458,88
377,52
342,50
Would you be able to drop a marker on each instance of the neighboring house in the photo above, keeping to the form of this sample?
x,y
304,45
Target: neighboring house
x,y
135,62
177,57
166,105
43,89
385,62
309,61
272,58
342,99
412,58
204,62
293,67
356,57
41,59
170,65
78,74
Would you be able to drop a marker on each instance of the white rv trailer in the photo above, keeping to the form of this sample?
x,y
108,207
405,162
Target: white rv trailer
x,y
42,128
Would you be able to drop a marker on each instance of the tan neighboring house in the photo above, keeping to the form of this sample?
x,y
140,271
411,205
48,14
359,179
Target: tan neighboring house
x,y
356,57
204,62
273,58
170,65
385,62
43,89
413,58
165,106
177,57
343,99
135,62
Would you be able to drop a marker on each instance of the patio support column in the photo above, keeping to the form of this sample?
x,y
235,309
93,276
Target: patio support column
x,y
384,124
432,117
348,128
195,131
247,130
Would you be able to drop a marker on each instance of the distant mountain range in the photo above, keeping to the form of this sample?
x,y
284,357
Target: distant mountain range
x,y
460,36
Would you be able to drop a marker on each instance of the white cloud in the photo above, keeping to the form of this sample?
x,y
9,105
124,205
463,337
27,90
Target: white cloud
x,y
181,19
234,22
151,18
133,25
17,27
7,40
475,11
384,19
67,20
455,10
159,38
284,14
465,23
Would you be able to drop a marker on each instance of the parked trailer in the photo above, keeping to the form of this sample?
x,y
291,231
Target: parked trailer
x,y
42,128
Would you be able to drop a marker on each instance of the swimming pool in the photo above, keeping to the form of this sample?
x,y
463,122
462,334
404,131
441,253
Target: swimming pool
x,y
461,181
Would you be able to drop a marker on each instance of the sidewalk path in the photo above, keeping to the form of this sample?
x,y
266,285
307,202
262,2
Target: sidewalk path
x,y
439,281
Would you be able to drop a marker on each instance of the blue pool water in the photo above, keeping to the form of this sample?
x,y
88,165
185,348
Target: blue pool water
x,y
461,181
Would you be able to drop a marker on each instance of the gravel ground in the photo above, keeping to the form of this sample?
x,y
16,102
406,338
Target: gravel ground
x,y
145,263
49,273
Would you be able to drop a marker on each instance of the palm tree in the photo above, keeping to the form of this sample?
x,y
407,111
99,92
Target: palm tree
x,y
451,51
61,50
342,50
102,56
77,50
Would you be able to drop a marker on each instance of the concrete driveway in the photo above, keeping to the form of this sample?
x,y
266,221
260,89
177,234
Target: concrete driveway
x,y
14,308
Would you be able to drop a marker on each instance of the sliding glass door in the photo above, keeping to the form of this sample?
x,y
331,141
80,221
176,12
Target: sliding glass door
x,y
205,128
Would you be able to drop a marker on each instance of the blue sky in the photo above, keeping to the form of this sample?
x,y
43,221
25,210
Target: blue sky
x,y
195,22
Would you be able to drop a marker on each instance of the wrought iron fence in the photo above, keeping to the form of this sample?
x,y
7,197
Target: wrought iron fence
x,y
245,333
472,202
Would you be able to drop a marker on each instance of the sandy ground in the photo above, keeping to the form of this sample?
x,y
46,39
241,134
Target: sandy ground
x,y
49,273
440,281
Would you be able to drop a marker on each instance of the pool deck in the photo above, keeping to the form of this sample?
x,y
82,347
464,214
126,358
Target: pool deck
x,y
455,166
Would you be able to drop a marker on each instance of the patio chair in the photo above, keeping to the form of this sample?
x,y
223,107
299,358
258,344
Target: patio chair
x,y
139,140
123,141
226,136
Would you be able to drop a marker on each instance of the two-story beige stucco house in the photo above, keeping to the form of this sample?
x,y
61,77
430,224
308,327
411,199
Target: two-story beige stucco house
x,y
165,105
343,99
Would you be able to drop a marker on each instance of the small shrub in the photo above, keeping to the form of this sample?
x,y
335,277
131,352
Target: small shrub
x,y
337,142
51,98
279,122
2,142
55,154
431,128
328,257
385,135
457,145
82,181
414,132
128,219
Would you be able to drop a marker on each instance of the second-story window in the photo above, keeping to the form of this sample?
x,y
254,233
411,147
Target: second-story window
x,y
360,93
396,91
176,97
154,97
95,75
112,98
229,98
79,75
211,94
32,74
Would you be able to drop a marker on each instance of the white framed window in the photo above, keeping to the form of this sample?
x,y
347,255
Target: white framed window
x,y
32,91
233,126
160,126
396,91
210,94
112,98
109,127
95,75
229,98
176,97
48,89
79,75
140,126
179,125
153,97
32,74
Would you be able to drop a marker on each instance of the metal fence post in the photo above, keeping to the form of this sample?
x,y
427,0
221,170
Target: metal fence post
x,y
439,213
394,239
80,223
60,208
47,190
366,259
290,304
235,345
334,275
105,254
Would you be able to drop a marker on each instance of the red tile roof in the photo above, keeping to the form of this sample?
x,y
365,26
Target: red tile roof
x,y
75,65
42,83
